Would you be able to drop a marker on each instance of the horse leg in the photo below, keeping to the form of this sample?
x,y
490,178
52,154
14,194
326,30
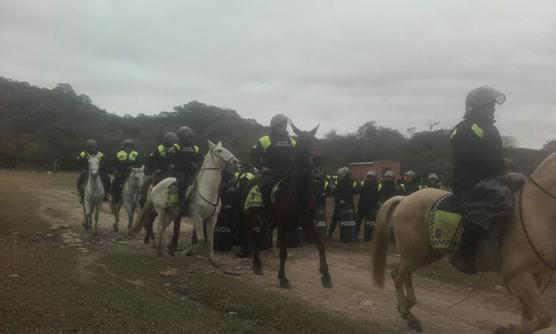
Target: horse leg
x,y
325,279
162,222
130,213
256,228
284,283
211,223
410,292
96,210
173,245
199,232
116,211
400,276
535,306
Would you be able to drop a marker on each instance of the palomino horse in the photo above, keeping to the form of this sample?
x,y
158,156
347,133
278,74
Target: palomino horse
x,y
93,194
524,257
294,206
204,203
131,195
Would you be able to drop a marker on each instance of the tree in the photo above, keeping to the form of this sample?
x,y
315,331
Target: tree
x,y
509,142
550,146
64,88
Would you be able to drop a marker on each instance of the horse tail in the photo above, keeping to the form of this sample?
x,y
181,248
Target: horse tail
x,y
380,239
144,214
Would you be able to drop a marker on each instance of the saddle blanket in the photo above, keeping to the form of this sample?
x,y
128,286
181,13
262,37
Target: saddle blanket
x,y
172,196
255,198
445,226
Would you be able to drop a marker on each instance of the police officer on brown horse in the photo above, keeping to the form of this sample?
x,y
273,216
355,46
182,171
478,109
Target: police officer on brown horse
x,y
272,155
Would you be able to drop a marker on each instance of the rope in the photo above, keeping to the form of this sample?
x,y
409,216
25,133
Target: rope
x,y
468,293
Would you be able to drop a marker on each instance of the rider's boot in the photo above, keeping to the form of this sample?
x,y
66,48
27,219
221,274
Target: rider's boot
x,y
183,204
464,258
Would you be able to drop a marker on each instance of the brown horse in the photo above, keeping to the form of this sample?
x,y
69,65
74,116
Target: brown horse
x,y
294,206
524,256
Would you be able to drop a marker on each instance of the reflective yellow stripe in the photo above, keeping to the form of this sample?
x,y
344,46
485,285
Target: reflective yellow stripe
x,y
196,148
454,133
123,156
478,131
162,150
325,184
265,142
293,142
85,154
380,186
247,175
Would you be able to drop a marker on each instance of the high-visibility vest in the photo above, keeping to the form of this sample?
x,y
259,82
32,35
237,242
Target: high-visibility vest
x,y
265,142
123,156
162,149
87,155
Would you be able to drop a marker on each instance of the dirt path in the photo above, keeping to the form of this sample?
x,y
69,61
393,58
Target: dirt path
x,y
353,297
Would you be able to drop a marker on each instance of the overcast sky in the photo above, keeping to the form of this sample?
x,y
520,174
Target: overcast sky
x,y
337,63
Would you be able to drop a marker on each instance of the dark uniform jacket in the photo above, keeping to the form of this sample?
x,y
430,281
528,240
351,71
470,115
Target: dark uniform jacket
x,y
344,190
478,155
161,157
188,159
387,190
123,161
410,188
272,152
368,198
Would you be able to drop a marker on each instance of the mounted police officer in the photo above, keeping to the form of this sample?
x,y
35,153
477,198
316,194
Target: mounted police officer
x,y
188,162
477,156
272,156
162,160
123,161
91,151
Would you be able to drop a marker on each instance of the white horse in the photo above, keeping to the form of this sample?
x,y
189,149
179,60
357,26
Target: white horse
x,y
93,194
131,194
204,203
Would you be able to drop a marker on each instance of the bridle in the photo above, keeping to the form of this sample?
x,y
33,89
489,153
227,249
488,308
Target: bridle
x,y
227,163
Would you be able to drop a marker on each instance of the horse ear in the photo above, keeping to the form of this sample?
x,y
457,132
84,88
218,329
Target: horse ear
x,y
296,129
219,143
314,131
142,168
211,144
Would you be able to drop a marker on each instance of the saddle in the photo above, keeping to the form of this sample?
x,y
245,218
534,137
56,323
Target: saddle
x,y
445,226
490,201
255,197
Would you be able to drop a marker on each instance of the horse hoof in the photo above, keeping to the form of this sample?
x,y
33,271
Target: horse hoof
x,y
159,253
327,283
215,263
415,325
116,229
285,284
171,251
504,330
146,240
190,252
258,271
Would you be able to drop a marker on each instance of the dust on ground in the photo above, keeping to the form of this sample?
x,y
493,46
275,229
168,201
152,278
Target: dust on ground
x,y
56,277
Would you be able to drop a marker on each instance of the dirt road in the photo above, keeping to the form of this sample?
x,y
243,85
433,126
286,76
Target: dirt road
x,y
71,281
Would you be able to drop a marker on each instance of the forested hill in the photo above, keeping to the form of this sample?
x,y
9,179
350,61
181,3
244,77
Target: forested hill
x,y
39,126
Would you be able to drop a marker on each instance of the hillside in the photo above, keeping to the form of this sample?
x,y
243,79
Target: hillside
x,y
39,126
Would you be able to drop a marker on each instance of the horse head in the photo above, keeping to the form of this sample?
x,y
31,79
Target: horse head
x,y
94,165
221,157
137,178
306,150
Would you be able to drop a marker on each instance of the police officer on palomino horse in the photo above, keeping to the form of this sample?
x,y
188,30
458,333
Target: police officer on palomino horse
x,y
188,163
479,162
91,151
272,156
123,161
